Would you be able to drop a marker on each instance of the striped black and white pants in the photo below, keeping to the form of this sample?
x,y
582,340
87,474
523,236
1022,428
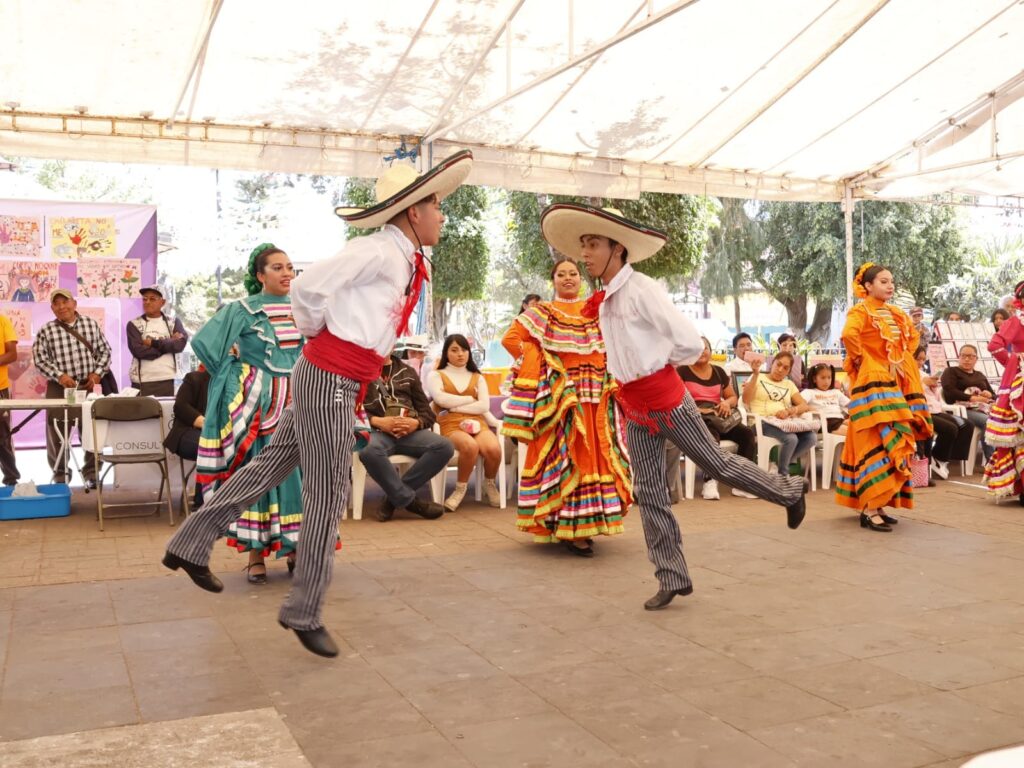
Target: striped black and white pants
x,y
684,427
316,433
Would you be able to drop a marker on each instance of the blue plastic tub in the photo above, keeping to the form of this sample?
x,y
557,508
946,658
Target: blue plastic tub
x,y
55,502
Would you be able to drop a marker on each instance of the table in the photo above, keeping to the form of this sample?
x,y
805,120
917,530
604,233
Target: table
x,y
43,403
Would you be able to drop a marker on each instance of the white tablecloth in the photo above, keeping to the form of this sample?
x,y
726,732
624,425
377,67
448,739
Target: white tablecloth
x,y
132,437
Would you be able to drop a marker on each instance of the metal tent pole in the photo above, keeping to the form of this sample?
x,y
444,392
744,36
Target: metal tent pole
x,y
848,218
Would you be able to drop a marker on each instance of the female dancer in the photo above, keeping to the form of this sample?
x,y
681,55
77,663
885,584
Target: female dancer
x,y
888,412
249,349
1005,426
460,392
575,483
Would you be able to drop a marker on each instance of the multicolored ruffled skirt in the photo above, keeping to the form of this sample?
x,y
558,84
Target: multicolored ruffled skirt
x,y
1005,431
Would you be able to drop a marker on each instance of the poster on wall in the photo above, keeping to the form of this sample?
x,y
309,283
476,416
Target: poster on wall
x,y
76,237
27,281
21,320
20,237
109,278
99,314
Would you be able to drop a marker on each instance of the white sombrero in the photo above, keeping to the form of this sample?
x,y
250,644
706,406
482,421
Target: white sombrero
x,y
400,187
563,224
418,343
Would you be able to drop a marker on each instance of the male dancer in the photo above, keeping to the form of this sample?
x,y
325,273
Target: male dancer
x,y
351,307
645,337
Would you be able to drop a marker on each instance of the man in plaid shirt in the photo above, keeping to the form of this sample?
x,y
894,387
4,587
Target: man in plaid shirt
x,y
68,363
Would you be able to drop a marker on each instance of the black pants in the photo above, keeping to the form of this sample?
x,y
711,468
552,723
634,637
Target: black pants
x,y
188,449
163,388
952,441
54,429
7,464
740,434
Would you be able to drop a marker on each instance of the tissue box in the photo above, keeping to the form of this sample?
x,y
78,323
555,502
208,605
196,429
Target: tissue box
x,y
55,502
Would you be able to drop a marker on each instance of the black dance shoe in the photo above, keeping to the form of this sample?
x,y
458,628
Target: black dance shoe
x,y
665,596
867,522
318,641
426,509
200,574
889,520
795,512
385,511
587,551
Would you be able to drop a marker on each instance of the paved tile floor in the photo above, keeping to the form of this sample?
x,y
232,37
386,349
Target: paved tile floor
x,y
463,644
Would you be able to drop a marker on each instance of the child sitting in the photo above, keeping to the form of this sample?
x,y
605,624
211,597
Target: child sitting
x,y
825,398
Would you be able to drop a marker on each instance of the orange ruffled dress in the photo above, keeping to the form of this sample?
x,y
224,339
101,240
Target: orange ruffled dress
x,y
576,482
888,412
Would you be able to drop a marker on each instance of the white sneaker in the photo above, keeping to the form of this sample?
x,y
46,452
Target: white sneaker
x,y
491,493
941,468
456,497
710,490
743,494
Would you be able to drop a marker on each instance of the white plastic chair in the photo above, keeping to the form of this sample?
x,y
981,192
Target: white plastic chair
x,y
764,449
830,444
359,481
439,480
690,467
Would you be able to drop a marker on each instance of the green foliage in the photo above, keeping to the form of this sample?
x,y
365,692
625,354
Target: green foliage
x,y
733,246
99,182
805,251
976,291
686,219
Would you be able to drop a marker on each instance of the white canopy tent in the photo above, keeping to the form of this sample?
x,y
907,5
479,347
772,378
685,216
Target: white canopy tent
x,y
787,99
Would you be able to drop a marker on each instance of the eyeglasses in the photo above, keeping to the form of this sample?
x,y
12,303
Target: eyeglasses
x,y
968,356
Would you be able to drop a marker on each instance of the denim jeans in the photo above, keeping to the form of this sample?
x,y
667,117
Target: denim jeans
x,y
979,419
792,444
431,450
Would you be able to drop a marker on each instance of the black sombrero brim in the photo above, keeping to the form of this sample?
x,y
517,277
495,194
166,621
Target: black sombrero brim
x,y
441,180
563,224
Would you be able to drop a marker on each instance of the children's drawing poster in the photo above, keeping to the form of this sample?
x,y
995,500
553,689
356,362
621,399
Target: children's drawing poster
x,y
109,278
27,281
20,237
76,237
21,319
99,314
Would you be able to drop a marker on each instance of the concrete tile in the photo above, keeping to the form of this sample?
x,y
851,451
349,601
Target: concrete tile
x,y
424,750
255,735
757,702
175,697
694,667
164,665
340,682
68,711
777,652
359,716
942,626
161,599
176,633
854,684
74,671
865,639
518,653
571,688
1005,649
943,668
844,741
417,670
452,705
56,617
549,740
663,730
1006,696
946,723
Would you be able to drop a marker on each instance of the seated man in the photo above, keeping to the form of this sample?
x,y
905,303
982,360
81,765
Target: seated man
x,y
401,418
189,414
741,345
966,386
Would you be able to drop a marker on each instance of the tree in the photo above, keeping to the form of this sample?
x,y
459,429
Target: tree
x,y
460,259
978,288
732,248
195,297
686,219
804,257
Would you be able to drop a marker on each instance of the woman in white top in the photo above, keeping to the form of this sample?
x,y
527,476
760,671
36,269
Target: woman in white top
x,y
463,402
775,396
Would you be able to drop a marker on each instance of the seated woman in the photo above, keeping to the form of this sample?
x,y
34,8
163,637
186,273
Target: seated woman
x,y
787,343
711,389
189,416
825,398
460,392
775,397
953,435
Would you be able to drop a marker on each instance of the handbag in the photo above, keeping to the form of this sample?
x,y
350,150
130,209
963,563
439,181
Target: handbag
x,y
919,471
722,424
108,384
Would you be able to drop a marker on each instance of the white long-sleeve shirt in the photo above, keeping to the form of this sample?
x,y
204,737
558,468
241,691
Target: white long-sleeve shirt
x,y
474,405
642,328
358,293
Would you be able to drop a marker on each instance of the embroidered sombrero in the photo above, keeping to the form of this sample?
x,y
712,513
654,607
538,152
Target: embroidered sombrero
x,y
563,224
400,186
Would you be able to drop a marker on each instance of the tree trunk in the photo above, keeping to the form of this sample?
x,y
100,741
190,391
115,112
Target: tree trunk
x,y
442,313
736,310
821,323
796,311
